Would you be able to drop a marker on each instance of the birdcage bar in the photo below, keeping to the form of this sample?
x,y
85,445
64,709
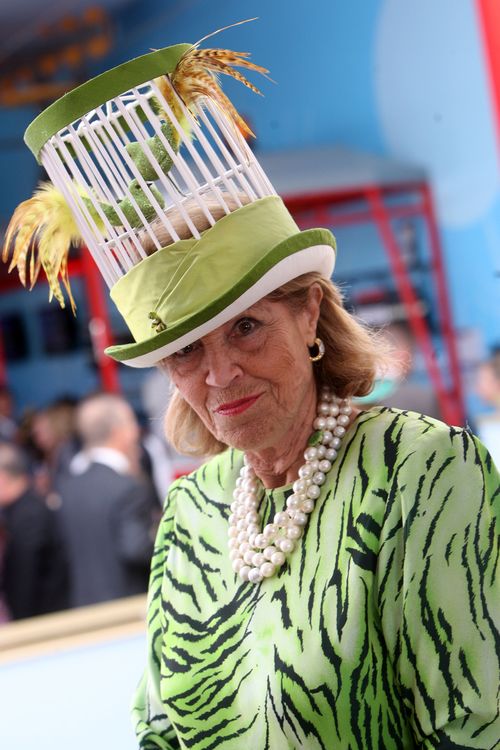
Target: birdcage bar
x,y
216,161
99,240
235,168
236,144
243,152
121,153
118,183
201,136
100,189
180,165
57,173
191,149
135,125
166,182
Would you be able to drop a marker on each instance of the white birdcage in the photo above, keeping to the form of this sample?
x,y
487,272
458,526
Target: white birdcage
x,y
116,207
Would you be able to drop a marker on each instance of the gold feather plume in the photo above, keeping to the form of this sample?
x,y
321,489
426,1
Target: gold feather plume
x,y
42,229
196,77
40,235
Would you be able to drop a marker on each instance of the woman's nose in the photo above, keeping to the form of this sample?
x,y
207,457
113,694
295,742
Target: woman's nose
x,y
221,369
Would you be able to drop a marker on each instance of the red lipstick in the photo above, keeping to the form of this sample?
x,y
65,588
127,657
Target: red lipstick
x,y
237,407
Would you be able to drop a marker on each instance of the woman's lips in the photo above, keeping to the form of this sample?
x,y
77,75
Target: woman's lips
x,y
237,407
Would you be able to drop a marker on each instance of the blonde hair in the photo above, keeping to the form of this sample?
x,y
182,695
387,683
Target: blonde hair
x,y
353,356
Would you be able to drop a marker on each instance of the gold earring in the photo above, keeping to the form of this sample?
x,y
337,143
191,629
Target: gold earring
x,y
320,350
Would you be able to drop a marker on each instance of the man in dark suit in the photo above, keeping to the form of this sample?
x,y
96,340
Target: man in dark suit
x,y
106,505
33,566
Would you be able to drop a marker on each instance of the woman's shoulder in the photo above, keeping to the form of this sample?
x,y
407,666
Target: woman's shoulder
x,y
404,434
213,475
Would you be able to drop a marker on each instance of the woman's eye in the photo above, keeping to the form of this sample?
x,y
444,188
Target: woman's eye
x,y
246,326
185,351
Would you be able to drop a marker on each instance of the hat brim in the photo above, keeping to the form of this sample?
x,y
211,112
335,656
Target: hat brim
x,y
311,250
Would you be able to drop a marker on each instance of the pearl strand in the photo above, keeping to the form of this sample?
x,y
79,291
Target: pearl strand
x,y
257,554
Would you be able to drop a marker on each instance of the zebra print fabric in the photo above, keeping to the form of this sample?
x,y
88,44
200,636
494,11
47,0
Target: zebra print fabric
x,y
380,632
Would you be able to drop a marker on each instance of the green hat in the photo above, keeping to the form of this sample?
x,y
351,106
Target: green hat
x,y
150,169
186,290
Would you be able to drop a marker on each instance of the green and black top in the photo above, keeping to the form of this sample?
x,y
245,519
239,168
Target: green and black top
x,y
378,633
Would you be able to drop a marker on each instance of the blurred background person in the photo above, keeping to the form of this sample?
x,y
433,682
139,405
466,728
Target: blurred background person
x,y
53,443
106,505
33,568
8,426
401,385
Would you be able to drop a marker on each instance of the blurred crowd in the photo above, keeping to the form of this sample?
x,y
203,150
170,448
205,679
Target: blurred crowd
x,y
81,490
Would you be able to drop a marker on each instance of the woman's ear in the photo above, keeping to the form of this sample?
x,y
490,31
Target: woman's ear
x,y
311,311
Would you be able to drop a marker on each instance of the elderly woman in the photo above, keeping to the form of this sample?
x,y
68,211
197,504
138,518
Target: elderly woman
x,y
326,580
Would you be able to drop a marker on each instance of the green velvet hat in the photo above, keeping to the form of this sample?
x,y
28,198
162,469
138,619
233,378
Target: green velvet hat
x,y
150,169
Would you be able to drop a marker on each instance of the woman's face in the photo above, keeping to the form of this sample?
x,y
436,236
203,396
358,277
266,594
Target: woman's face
x,y
249,379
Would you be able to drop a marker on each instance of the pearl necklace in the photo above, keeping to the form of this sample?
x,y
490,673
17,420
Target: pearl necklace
x,y
257,554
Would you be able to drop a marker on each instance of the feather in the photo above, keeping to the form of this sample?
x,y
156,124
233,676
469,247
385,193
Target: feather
x,y
40,235
195,77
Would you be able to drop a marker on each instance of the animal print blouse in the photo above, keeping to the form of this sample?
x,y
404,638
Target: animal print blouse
x,y
379,632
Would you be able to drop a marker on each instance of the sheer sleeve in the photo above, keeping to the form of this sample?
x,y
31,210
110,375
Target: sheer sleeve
x,y
438,593
153,729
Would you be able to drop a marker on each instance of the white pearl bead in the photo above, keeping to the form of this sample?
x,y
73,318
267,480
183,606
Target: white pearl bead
x,y
254,575
314,465
335,443
251,517
281,518
305,471
339,431
243,547
260,540
234,506
232,531
308,505
311,453
251,504
300,518
325,466
313,492
334,410
321,451
294,532
331,422
253,529
319,423
234,554
300,485
244,571
323,408
248,556
258,559
270,530
242,536
319,478
343,420
347,409
327,437
286,545
269,552
241,524
331,454
267,569
233,543
278,558
292,502
237,564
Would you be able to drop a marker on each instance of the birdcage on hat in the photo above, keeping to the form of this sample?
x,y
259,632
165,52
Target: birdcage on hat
x,y
145,154
149,166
